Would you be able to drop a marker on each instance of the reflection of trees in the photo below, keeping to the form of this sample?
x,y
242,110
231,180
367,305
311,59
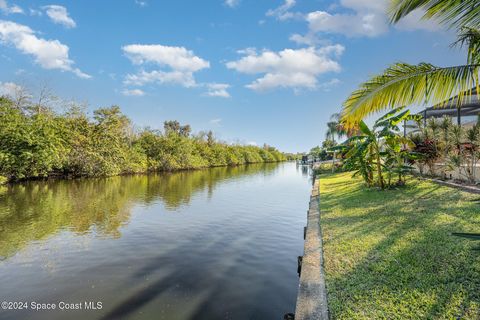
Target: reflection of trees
x,y
176,189
35,210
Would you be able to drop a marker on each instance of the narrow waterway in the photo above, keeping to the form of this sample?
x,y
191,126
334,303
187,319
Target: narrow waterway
x,y
211,244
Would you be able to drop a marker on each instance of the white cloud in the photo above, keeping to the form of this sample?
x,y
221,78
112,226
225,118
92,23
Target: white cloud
x,y
143,77
289,68
232,3
133,92
171,65
141,3
352,18
218,90
59,15
368,24
180,62
247,51
283,13
309,39
49,54
362,5
6,9
177,58
9,89
215,121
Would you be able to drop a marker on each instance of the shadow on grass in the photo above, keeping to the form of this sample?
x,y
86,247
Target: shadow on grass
x,y
389,254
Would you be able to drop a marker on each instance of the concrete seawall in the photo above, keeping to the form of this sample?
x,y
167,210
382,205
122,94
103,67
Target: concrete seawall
x,y
312,293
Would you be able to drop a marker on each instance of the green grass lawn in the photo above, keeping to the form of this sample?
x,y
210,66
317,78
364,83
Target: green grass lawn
x,y
389,254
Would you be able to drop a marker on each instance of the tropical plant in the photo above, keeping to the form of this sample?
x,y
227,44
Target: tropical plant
x,y
359,159
470,38
335,128
426,152
445,144
380,151
452,13
470,149
406,84
464,154
396,155
426,144
455,158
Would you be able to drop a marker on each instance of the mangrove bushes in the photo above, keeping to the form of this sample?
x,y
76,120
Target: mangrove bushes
x,y
36,142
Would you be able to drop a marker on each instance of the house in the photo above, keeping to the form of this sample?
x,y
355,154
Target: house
x,y
466,113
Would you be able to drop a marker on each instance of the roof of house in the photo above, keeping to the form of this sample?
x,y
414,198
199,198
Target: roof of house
x,y
470,106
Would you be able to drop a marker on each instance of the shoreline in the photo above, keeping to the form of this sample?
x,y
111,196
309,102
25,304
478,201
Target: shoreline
x,y
76,177
312,293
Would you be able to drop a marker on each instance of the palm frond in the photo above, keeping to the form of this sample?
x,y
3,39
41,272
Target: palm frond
x,y
336,116
404,84
470,38
393,120
452,13
388,115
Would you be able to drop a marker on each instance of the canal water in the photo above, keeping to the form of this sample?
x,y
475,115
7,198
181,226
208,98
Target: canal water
x,y
211,244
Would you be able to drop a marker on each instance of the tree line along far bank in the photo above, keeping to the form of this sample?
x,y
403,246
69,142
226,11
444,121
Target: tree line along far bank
x,y
36,142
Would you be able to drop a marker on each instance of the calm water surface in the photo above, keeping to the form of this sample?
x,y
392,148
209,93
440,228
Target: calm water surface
x,y
211,244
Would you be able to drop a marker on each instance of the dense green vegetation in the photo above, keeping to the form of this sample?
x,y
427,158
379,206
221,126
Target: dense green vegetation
x,y
321,153
455,147
36,141
390,254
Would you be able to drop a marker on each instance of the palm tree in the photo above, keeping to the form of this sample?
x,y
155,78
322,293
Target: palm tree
x,y
453,13
331,130
335,128
405,84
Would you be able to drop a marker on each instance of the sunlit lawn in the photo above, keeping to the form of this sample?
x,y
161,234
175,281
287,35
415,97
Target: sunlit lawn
x,y
389,254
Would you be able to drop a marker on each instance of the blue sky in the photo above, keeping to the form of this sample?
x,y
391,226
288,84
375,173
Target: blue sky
x,y
269,71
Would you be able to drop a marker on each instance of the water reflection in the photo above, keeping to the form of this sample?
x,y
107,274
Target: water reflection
x,y
306,170
36,210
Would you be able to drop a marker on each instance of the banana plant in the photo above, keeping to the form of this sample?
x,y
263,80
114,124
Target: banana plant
x,y
358,159
378,150
398,157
